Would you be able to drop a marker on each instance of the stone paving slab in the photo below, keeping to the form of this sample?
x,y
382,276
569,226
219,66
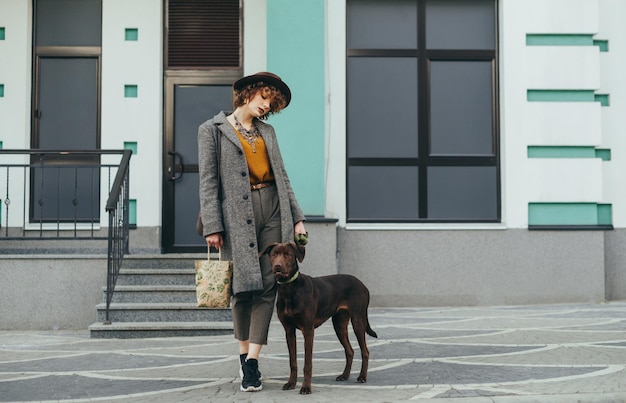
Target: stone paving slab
x,y
548,353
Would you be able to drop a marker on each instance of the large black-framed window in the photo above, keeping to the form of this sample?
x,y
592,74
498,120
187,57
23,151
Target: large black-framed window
x,y
422,107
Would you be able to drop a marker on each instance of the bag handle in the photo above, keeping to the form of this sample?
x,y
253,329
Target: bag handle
x,y
219,254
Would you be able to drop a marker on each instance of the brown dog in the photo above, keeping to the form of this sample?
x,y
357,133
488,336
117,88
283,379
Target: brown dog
x,y
305,303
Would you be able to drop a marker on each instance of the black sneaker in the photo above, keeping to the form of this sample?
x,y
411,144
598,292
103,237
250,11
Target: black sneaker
x,y
251,381
242,359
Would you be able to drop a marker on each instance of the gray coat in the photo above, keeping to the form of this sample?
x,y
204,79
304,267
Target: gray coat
x,y
233,215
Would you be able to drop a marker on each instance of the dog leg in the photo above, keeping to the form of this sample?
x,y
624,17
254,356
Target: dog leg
x,y
290,335
340,323
359,327
308,334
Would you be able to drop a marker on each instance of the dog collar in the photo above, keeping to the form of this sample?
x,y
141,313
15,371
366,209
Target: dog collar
x,y
292,279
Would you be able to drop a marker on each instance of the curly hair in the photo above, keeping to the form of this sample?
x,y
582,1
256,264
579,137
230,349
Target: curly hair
x,y
277,99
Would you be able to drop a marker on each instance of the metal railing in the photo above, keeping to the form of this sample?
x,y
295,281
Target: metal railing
x,y
55,195
117,207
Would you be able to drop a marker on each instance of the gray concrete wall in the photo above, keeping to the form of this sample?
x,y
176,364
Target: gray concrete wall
x,y
615,264
61,291
50,291
401,268
321,252
449,268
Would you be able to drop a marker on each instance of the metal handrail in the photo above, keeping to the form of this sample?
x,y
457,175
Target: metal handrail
x,y
116,206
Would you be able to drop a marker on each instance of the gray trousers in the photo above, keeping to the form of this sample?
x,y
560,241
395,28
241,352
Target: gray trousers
x,y
252,311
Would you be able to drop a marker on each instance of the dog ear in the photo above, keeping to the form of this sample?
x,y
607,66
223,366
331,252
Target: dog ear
x,y
299,250
267,249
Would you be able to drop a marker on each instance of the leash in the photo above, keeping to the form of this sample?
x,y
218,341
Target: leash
x,y
292,279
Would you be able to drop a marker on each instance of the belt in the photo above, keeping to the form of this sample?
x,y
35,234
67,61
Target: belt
x,y
261,185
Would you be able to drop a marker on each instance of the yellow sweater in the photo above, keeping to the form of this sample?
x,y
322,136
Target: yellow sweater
x,y
258,162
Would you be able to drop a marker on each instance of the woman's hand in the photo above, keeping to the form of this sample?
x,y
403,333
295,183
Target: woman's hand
x,y
215,240
299,228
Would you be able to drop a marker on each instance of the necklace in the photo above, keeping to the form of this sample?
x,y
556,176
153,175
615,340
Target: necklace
x,y
251,135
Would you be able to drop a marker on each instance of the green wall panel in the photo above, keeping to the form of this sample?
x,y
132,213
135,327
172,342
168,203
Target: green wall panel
x,y
602,98
573,214
131,145
132,211
560,96
131,34
602,44
559,40
605,214
295,51
561,152
603,153
566,40
130,91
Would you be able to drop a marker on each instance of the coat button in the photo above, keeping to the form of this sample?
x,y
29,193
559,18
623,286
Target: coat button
x,y
240,152
243,174
248,221
251,244
245,197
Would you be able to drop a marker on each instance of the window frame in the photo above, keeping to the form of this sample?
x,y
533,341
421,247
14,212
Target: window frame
x,y
424,158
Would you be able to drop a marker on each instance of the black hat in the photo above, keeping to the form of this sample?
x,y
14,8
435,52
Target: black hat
x,y
266,78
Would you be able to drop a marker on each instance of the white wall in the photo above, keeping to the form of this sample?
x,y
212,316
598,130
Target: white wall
x,y
335,158
15,68
254,36
524,123
612,68
135,119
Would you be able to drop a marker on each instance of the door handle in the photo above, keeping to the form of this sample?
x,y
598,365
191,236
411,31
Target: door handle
x,y
174,176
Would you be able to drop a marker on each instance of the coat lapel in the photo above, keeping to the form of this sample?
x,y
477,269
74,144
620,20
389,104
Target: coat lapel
x,y
227,129
266,134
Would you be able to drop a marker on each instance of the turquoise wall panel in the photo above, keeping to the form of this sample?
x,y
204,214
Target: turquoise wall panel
x,y
561,152
295,51
131,34
562,214
132,211
572,214
559,40
131,145
130,91
560,96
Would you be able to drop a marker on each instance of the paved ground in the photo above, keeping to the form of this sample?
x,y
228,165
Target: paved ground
x,y
553,353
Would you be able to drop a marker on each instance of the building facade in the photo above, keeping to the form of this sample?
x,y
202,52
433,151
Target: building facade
x,y
446,152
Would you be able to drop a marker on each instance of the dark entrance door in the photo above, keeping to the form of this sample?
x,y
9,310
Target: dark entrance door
x,y
189,103
66,103
66,119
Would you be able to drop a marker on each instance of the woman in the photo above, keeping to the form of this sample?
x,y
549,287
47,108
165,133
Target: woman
x,y
257,207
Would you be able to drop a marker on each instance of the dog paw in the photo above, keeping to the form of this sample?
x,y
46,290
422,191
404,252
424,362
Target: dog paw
x,y
305,390
361,379
289,386
342,378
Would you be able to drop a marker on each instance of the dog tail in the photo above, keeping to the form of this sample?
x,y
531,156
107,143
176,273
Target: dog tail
x,y
369,330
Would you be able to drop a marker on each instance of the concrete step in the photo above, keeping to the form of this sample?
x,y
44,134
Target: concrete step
x,y
161,312
155,296
167,276
152,293
170,261
130,330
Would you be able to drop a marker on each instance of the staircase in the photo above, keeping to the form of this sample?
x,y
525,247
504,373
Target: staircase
x,y
155,296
